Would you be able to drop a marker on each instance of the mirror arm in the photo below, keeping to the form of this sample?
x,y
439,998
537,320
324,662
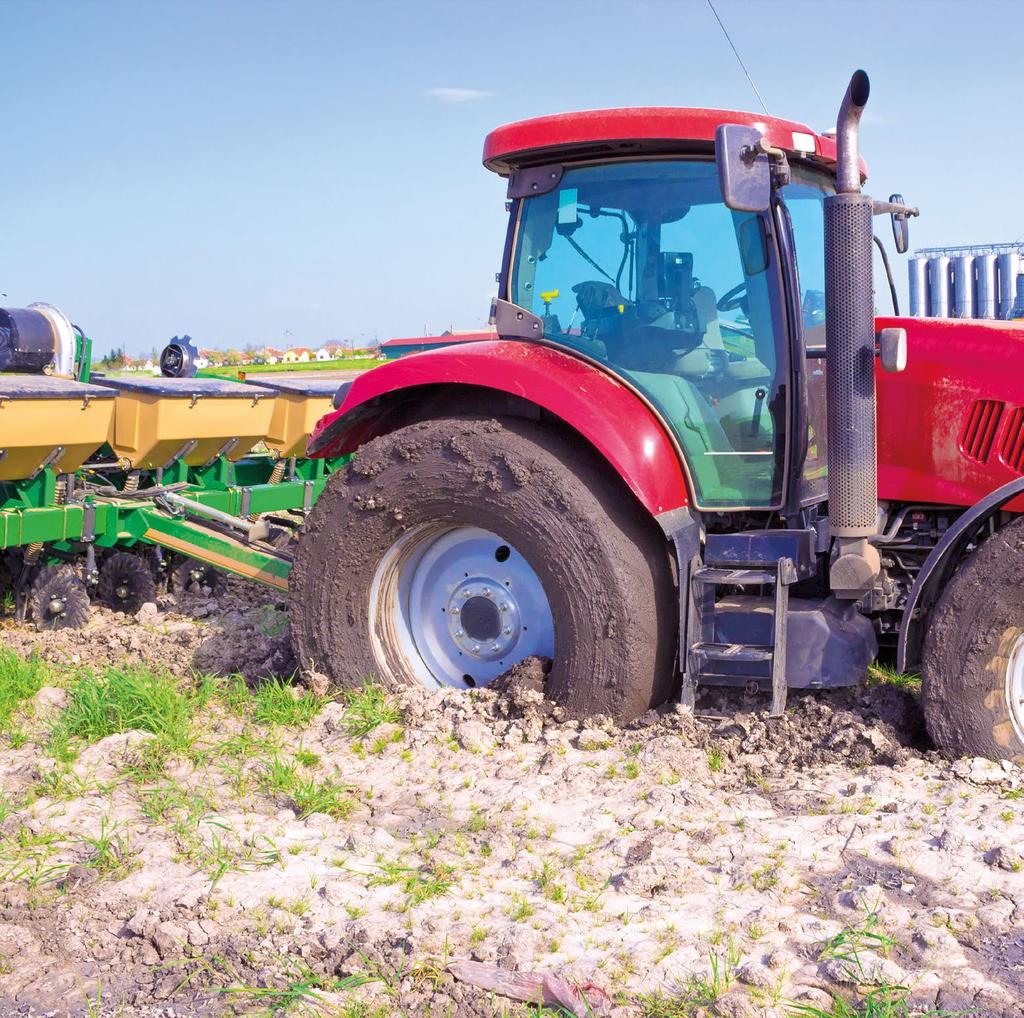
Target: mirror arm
x,y
888,275
778,161
884,208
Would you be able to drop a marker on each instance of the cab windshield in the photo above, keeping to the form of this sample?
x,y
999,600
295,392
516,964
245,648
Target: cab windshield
x,y
642,267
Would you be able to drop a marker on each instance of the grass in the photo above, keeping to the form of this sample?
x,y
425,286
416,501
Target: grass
x,y
368,708
880,999
124,699
846,946
699,993
304,986
306,794
420,884
714,759
881,1002
20,680
342,364
274,703
882,674
110,851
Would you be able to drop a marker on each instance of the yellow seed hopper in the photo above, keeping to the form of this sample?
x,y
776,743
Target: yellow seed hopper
x,y
50,422
300,403
160,420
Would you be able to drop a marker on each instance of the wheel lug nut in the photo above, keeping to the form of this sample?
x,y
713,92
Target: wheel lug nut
x,y
459,632
476,649
486,591
454,609
496,647
507,630
503,606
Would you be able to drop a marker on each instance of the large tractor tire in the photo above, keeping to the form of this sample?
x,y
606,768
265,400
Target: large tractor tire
x,y
450,550
973,662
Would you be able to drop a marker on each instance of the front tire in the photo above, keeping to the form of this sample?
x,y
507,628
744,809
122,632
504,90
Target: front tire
x,y
973,662
403,566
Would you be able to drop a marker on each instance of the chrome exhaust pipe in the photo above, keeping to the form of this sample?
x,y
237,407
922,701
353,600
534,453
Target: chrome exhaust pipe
x,y
848,134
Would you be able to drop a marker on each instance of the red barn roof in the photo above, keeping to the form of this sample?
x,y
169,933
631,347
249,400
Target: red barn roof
x,y
445,340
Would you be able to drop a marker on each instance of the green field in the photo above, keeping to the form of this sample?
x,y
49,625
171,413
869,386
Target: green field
x,y
345,364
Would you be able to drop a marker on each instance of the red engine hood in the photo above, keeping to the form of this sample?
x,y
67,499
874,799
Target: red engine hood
x,y
951,426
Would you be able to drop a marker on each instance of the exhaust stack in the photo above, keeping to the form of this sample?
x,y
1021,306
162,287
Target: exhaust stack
x,y
850,356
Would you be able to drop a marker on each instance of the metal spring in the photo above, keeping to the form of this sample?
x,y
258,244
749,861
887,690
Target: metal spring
x,y
60,495
275,478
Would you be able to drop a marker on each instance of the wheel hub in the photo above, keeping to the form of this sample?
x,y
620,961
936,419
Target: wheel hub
x,y
483,621
459,607
57,606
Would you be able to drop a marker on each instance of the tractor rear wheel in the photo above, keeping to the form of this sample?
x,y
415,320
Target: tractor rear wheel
x,y
450,550
973,662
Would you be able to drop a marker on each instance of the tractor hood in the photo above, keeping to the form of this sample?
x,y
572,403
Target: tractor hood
x,y
951,426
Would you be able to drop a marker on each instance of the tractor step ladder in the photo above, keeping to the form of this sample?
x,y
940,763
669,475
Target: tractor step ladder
x,y
765,558
769,558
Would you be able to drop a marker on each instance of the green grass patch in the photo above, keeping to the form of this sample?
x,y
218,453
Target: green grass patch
x,y
274,702
879,674
368,708
20,680
420,884
124,699
700,992
341,364
304,987
880,1002
306,794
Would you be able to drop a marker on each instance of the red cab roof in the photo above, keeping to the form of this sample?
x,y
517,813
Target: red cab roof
x,y
645,129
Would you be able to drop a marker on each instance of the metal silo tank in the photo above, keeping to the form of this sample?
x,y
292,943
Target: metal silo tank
x,y
918,269
1017,314
1009,266
964,303
988,298
938,287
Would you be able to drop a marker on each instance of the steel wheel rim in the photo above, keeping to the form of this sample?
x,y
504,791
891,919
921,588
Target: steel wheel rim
x,y
458,606
1015,686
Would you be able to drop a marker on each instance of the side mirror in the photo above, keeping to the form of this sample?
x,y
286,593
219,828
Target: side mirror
x,y
743,171
892,349
900,226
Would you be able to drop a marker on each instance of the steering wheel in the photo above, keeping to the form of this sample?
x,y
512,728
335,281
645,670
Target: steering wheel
x,y
734,298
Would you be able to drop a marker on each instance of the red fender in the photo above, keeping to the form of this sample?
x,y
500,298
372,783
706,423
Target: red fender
x,y
600,407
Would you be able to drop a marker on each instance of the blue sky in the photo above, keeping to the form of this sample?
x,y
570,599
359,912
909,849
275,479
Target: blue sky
x,y
242,170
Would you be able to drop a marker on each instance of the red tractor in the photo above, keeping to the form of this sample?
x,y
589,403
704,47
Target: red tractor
x,y
692,455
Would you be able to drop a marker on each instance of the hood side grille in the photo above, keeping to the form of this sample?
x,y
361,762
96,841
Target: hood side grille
x,y
1011,449
979,430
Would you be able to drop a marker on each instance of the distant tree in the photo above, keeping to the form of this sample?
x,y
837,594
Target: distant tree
x,y
114,359
233,357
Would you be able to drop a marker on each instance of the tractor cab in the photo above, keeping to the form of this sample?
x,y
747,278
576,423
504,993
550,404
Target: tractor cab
x,y
622,248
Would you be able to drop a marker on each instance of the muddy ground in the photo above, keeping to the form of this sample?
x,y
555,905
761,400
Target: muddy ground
x,y
721,863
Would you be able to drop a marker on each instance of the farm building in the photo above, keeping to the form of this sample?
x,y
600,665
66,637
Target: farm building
x,y
395,348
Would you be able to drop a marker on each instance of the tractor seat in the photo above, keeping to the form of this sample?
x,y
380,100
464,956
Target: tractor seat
x,y
696,425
